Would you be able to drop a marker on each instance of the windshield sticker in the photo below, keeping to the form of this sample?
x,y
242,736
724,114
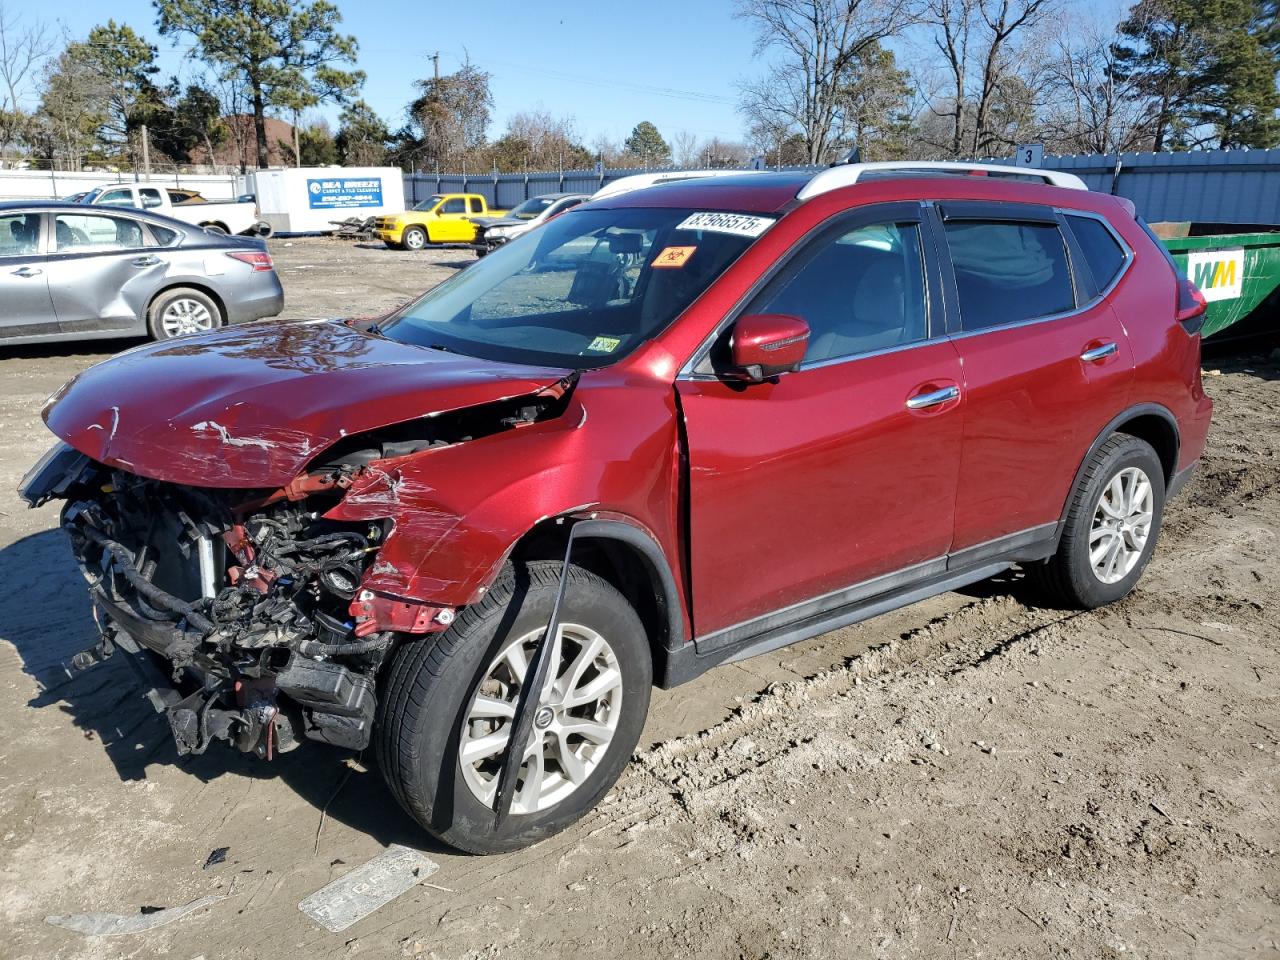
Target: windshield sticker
x,y
739,224
673,257
605,344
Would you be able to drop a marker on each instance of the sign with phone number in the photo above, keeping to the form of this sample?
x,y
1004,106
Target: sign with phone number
x,y
329,194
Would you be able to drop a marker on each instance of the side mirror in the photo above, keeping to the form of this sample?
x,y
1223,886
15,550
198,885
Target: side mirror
x,y
767,344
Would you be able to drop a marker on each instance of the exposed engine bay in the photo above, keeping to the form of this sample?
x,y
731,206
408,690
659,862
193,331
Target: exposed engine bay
x,y
249,604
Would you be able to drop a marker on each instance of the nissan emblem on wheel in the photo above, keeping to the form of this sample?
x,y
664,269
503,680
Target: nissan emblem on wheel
x,y
679,424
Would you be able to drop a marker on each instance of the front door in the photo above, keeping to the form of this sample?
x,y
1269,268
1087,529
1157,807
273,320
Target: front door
x,y
452,225
25,307
845,470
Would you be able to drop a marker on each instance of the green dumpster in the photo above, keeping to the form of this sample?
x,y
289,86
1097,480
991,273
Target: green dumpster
x,y
1238,273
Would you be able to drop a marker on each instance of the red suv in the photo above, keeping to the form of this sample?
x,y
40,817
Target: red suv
x,y
676,426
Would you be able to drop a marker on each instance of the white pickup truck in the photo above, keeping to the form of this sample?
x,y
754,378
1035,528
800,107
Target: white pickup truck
x,y
228,216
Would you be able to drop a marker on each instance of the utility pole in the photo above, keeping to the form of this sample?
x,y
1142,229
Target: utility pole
x,y
435,60
146,154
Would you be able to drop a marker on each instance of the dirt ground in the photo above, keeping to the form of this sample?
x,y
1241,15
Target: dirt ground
x,y
973,776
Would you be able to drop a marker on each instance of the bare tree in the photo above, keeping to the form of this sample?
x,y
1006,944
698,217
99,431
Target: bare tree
x,y
1090,106
684,148
536,140
717,154
980,48
23,50
814,43
73,109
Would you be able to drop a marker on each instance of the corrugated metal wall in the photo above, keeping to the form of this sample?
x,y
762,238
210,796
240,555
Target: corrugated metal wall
x,y
1208,186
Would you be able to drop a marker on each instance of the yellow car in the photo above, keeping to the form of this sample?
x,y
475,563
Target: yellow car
x,y
438,219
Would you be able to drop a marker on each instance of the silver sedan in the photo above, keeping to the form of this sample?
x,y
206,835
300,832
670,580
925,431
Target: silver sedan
x,y
74,272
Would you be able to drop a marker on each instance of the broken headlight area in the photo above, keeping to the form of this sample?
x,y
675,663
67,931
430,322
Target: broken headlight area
x,y
248,599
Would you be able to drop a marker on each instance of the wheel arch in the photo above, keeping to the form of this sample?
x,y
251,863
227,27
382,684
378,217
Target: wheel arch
x,y
630,559
1149,422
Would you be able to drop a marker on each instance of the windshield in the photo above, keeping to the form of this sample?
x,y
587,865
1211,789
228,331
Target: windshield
x,y
429,203
582,291
532,207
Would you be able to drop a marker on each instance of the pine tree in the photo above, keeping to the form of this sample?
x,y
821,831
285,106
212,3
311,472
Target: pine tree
x,y
1209,67
647,146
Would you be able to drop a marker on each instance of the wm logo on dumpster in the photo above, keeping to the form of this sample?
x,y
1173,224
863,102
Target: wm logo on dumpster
x,y
1218,273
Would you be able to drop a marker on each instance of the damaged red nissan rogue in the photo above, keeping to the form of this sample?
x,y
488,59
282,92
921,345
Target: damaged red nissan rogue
x,y
679,425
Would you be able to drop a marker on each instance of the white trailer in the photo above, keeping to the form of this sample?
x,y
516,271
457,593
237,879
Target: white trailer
x,y
311,199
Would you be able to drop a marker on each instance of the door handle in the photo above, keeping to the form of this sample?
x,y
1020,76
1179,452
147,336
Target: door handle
x,y
1100,353
145,261
934,397
28,272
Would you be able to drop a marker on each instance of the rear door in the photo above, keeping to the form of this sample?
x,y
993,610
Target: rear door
x,y
25,306
102,271
845,470
1047,364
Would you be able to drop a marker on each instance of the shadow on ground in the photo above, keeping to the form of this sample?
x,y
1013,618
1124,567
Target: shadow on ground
x,y
47,616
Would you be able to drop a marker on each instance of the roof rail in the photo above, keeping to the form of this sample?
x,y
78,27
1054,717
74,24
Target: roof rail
x,y
641,180
847,174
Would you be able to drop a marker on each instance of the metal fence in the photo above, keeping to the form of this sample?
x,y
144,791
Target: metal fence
x,y
1207,186
31,184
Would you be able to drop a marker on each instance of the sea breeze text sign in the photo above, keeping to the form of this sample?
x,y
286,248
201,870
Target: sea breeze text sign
x,y
330,194
1218,273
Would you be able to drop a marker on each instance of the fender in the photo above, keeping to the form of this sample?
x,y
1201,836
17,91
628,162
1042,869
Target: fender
x,y
458,511
1137,410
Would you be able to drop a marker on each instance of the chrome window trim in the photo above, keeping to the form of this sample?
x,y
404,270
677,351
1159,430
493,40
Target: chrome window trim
x,y
692,376
1088,305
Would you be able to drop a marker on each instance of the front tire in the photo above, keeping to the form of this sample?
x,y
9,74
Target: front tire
x,y
1112,526
450,698
413,238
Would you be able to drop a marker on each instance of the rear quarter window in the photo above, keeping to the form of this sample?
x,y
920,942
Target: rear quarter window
x,y
1009,272
1104,255
164,236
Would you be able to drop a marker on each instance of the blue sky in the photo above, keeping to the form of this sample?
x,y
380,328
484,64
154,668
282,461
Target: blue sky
x,y
607,65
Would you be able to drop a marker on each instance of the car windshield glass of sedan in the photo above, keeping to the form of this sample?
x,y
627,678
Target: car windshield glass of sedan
x,y
429,203
532,207
582,291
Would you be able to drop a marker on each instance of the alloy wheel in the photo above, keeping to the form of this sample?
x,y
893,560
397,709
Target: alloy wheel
x,y
185,315
572,729
1121,525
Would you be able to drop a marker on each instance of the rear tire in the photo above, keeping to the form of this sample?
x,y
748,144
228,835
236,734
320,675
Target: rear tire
x,y
452,691
182,311
1113,522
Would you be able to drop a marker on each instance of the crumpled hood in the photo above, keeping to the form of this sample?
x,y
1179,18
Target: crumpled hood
x,y
250,406
487,222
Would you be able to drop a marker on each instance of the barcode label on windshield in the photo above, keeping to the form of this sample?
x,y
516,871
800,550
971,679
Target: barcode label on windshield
x,y
739,224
